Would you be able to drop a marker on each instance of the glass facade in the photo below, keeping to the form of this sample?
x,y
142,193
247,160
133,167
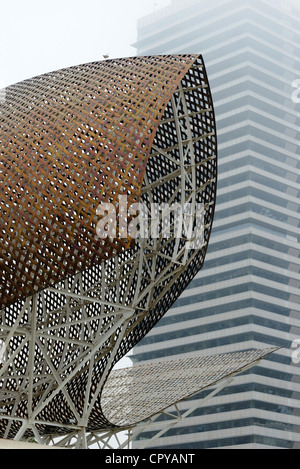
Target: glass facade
x,y
247,295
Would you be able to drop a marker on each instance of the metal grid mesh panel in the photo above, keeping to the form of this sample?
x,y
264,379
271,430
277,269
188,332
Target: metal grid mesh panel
x,y
134,394
147,132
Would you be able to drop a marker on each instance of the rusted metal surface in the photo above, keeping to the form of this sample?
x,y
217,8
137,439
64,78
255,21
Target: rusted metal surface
x,y
142,127
68,140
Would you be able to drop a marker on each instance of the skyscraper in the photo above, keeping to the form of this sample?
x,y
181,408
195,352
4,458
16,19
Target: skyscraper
x,y
247,295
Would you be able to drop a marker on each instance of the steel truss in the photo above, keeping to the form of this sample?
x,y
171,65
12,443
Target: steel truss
x,y
122,439
113,439
61,343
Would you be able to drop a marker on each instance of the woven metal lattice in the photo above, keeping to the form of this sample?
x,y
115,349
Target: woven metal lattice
x,y
69,140
140,127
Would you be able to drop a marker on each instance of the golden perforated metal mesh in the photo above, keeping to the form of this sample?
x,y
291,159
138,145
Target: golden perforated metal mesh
x,y
141,127
68,140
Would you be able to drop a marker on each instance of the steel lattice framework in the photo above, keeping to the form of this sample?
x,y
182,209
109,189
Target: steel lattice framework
x,y
73,304
137,398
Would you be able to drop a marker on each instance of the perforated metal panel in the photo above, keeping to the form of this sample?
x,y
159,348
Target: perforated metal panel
x,y
132,395
68,140
142,127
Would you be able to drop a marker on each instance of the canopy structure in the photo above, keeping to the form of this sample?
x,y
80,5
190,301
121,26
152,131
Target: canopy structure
x,y
84,136
75,298
156,397
135,394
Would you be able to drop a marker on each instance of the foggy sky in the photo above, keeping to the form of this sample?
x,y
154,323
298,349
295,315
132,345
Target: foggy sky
x,y
37,36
